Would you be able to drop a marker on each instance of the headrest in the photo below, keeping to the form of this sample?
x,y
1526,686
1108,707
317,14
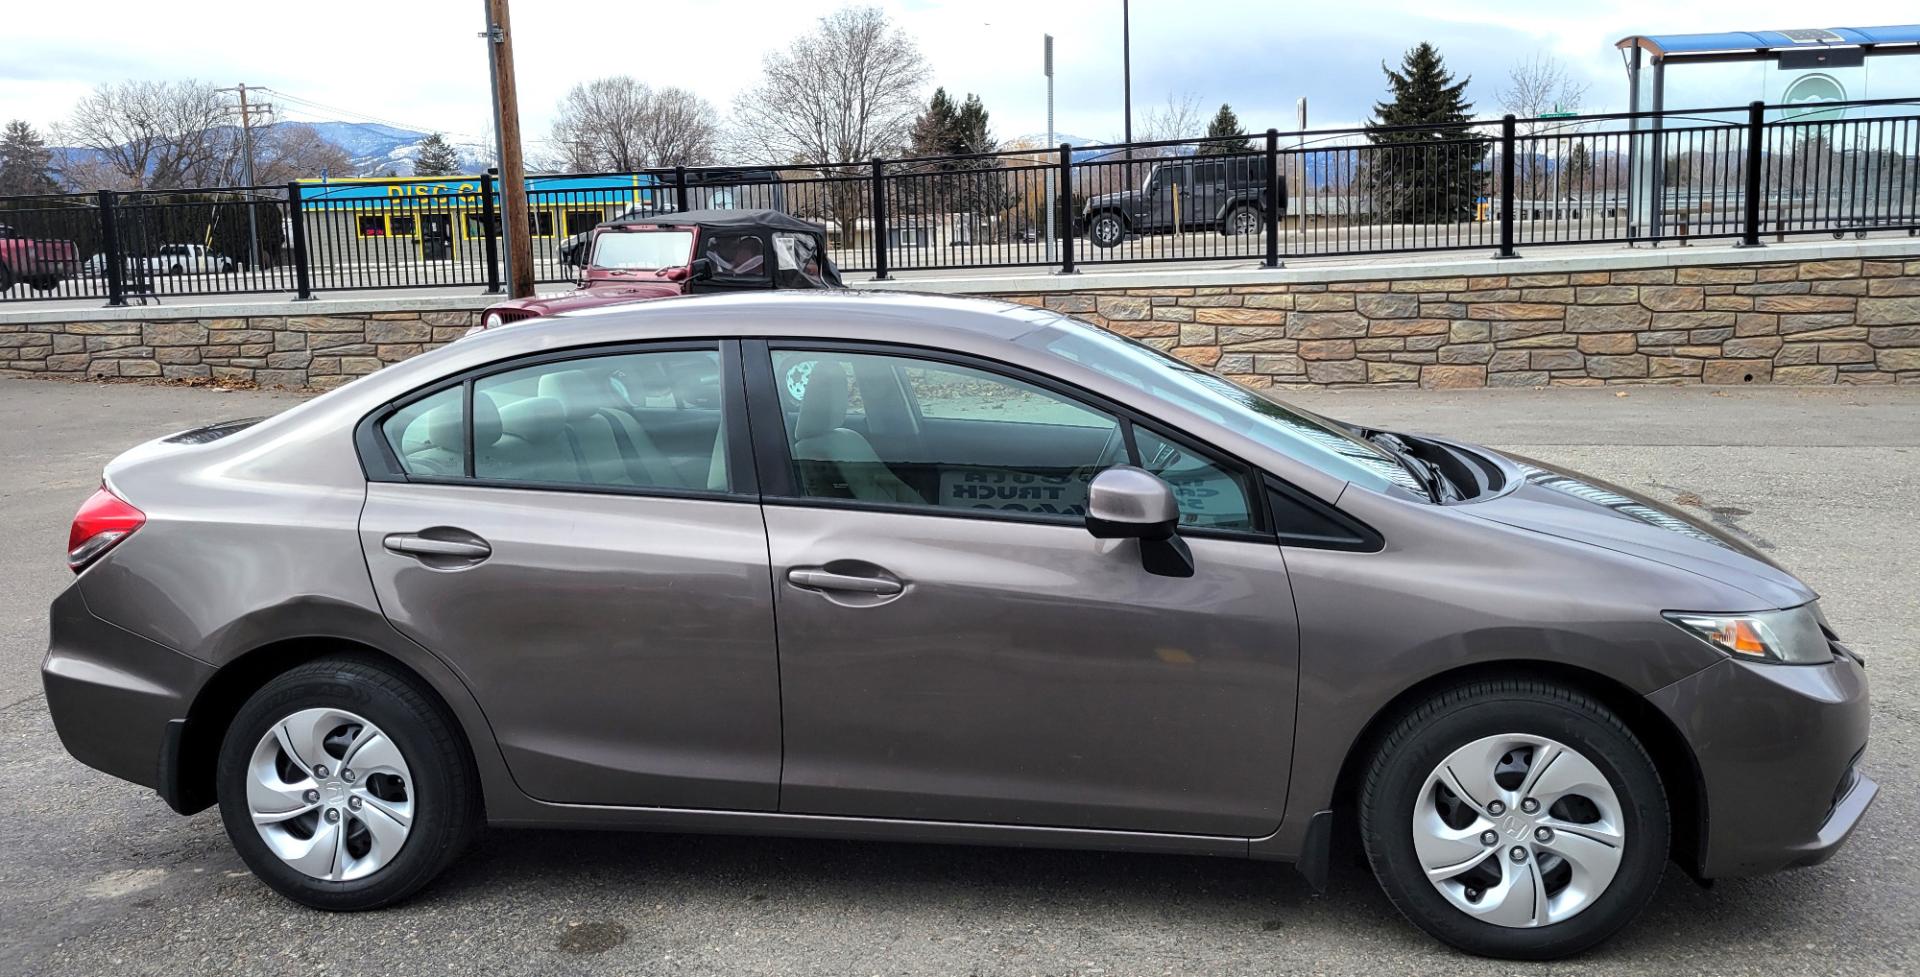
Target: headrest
x,y
537,419
824,406
443,425
579,394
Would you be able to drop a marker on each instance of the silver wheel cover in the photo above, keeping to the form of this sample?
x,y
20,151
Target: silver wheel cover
x,y
1518,830
330,794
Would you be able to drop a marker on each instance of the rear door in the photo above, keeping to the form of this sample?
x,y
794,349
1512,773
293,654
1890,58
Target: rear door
x,y
588,554
955,646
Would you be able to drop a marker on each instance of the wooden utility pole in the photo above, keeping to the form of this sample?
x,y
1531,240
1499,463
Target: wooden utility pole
x,y
247,113
517,230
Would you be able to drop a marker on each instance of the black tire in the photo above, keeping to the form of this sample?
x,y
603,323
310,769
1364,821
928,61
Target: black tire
x,y
46,284
445,796
176,270
6,279
1106,229
1242,221
1431,732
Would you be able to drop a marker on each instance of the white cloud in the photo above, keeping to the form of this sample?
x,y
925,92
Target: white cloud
x,y
422,64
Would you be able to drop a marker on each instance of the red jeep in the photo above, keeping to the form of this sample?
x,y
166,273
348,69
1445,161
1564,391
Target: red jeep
x,y
642,258
40,262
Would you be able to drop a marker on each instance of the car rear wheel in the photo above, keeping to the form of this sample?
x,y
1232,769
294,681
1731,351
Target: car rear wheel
x,y
6,279
344,786
1106,230
1515,819
1243,221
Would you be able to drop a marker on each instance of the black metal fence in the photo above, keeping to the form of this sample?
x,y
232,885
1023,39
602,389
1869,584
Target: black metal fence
x,y
1750,173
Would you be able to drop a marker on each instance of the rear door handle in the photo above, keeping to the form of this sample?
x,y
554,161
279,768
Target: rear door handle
x,y
417,545
814,578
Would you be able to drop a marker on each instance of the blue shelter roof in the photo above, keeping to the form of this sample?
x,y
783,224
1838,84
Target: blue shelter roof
x,y
1788,40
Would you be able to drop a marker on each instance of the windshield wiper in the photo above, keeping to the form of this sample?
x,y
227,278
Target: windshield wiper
x,y
1436,486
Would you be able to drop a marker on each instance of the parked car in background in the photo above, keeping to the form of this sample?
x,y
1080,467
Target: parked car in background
x,y
649,257
891,566
41,263
1224,192
185,259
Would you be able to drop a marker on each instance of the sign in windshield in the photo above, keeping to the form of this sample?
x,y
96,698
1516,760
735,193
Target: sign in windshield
x,y
643,250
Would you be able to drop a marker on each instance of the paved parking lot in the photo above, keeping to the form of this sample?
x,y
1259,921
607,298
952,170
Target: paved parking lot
x,y
97,877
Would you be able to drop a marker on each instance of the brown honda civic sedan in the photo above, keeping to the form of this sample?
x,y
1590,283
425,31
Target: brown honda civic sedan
x,y
919,568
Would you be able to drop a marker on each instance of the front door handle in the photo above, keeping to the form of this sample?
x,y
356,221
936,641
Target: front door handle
x,y
815,578
414,544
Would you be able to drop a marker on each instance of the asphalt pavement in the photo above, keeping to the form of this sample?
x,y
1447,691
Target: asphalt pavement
x,y
97,877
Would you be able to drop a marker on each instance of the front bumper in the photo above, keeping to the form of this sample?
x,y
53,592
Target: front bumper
x,y
114,695
1776,748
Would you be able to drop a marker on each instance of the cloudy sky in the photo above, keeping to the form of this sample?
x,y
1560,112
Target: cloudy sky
x,y
419,63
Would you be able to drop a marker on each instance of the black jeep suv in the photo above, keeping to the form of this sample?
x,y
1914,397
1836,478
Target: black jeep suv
x,y
1224,192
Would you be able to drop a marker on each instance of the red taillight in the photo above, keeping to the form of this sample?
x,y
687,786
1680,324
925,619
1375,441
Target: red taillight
x,y
103,520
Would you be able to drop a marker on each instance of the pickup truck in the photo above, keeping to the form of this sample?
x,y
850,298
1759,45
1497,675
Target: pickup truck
x,y
185,259
40,262
1225,192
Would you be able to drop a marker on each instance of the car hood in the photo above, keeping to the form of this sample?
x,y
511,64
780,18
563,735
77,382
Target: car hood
x,y
1568,505
1109,199
596,294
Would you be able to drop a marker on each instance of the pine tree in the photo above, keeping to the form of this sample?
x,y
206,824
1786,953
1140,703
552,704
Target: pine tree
x,y
436,157
933,130
970,132
1436,164
1224,135
26,166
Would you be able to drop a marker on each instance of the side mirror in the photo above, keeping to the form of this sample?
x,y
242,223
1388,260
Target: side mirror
x,y
1125,502
700,268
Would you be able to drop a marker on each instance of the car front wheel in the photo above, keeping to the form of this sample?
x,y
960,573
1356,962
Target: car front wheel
x,y
344,787
1515,819
1243,221
1106,230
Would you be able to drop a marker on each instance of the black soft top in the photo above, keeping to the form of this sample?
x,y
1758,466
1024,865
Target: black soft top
x,y
739,220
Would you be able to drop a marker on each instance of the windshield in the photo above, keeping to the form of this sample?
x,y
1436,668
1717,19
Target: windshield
x,y
1300,435
642,250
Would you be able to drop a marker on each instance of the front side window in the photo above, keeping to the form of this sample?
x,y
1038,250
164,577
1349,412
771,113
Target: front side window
x,y
1210,495
738,256
901,430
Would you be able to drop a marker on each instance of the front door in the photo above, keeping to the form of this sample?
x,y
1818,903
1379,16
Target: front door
x,y
596,571
1169,190
955,646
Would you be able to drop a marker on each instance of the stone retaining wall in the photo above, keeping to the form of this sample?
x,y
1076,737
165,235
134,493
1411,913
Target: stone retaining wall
x,y
1804,322
1814,321
318,351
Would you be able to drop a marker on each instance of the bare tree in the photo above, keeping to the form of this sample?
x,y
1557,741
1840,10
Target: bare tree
x,y
288,151
848,90
1537,86
155,134
622,124
1180,117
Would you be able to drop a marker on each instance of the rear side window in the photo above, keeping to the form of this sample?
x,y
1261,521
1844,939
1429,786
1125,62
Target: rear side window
x,y
429,435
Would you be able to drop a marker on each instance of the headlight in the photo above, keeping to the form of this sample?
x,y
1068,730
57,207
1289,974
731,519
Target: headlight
x,y
491,321
1792,636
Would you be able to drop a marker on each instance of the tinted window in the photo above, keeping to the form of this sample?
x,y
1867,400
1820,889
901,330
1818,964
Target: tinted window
x,y
738,256
909,431
633,420
1210,495
428,435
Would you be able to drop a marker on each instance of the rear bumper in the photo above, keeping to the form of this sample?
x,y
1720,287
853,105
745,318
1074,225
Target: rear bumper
x,y
113,694
1776,747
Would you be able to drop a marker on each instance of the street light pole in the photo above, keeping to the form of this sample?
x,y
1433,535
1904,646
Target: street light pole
x,y
1126,74
1048,59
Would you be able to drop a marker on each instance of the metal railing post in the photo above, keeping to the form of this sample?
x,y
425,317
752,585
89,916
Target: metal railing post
x,y
297,227
1507,147
1272,200
879,222
110,246
680,189
490,236
1756,141
1066,209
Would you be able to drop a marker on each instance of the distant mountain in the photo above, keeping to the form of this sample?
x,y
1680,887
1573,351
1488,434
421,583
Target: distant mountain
x,y
375,149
